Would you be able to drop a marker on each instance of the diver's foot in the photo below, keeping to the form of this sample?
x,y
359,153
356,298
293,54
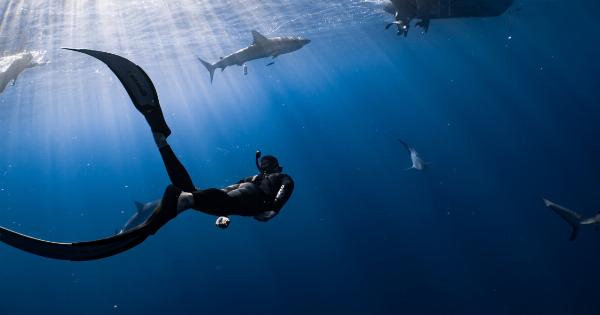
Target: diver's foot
x,y
167,210
155,119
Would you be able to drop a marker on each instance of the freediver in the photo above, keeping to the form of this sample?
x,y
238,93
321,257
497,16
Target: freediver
x,y
261,196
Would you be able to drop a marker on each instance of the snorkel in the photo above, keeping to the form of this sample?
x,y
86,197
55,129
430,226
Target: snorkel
x,y
267,164
258,155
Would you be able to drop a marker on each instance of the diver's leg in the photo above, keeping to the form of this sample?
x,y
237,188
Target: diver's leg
x,y
213,201
165,211
241,201
176,171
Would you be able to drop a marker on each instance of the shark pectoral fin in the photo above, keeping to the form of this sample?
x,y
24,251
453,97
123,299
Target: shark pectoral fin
x,y
258,38
409,168
547,202
387,27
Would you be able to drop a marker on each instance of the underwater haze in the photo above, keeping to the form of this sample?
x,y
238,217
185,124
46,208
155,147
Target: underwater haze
x,y
505,109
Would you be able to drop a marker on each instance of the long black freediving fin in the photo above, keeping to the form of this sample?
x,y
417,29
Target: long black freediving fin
x,y
80,251
102,248
138,85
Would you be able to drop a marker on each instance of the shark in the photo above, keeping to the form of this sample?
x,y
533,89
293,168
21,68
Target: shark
x,y
417,162
12,66
574,219
261,47
143,212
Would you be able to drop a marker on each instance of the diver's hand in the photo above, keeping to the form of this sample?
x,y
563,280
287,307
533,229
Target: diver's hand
x,y
222,222
265,216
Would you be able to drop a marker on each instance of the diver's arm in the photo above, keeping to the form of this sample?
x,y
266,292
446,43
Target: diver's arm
x,y
246,180
284,193
265,216
231,187
235,186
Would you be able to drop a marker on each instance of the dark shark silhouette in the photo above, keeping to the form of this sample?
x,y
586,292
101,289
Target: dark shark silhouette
x,y
574,219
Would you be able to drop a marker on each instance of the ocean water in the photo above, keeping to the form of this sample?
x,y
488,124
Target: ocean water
x,y
505,109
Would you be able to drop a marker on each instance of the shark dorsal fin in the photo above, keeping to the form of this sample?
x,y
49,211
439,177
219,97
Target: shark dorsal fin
x,y
259,38
139,206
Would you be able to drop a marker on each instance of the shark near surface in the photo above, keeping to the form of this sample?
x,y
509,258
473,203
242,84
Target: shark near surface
x,y
12,66
261,47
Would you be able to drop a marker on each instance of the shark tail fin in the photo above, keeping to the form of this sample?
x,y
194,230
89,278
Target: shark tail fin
x,y
574,233
571,217
139,206
210,67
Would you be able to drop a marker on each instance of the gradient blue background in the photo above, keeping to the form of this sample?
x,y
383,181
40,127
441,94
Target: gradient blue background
x,y
504,122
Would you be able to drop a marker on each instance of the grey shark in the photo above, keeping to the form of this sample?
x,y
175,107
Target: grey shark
x,y
261,47
144,211
417,162
574,219
12,66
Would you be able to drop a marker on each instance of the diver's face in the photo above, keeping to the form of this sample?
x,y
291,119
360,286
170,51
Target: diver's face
x,y
270,167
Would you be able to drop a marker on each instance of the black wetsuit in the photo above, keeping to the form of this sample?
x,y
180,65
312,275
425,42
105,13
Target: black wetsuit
x,y
249,197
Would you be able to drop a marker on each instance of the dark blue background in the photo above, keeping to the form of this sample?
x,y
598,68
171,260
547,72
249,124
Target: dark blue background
x,y
503,121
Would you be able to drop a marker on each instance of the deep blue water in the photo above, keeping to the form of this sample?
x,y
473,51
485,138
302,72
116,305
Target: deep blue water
x,y
504,122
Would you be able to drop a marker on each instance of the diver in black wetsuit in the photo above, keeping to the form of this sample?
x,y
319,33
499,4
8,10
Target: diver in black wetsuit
x,y
261,196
